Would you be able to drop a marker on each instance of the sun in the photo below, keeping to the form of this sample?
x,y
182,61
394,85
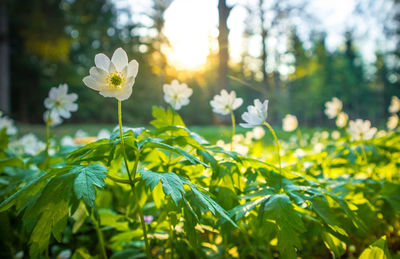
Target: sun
x,y
187,55
189,33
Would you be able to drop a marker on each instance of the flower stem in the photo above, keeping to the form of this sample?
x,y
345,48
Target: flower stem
x,y
300,137
364,153
233,128
172,135
132,181
171,237
48,133
276,143
96,224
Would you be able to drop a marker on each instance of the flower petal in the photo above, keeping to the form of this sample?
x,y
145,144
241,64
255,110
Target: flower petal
x,y
102,61
92,83
124,94
119,59
133,68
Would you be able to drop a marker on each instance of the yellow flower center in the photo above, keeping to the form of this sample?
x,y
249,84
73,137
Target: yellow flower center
x,y
115,80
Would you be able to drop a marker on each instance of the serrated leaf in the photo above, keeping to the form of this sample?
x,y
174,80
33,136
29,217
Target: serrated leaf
x,y
51,208
87,177
241,210
164,118
207,203
288,224
29,190
157,143
171,183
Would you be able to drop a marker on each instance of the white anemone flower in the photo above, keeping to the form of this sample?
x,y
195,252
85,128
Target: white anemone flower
x,y
61,102
290,122
113,78
394,105
258,132
225,103
333,107
28,144
335,134
55,118
341,120
176,94
381,134
104,134
393,122
8,124
256,114
361,130
67,141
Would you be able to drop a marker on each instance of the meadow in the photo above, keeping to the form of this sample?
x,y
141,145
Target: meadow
x,y
167,190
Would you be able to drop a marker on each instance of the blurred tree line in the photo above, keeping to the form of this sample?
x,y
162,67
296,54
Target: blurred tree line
x,y
54,41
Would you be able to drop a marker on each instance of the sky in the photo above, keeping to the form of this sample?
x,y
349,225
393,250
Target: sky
x,y
191,26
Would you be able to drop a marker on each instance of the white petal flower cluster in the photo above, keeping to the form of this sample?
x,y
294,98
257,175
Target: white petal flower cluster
x,y
225,103
256,114
361,130
333,108
290,123
28,144
394,105
393,122
341,120
113,78
60,102
8,124
176,94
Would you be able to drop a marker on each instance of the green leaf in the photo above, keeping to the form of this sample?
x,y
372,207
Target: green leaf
x,y
334,244
126,131
171,183
111,219
377,250
11,162
26,192
204,202
51,209
86,178
82,253
164,118
321,207
241,210
288,224
182,132
92,152
157,143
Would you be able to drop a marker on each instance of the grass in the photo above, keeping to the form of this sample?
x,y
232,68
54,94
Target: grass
x,y
211,133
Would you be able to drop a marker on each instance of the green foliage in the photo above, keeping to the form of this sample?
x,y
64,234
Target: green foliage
x,y
88,177
201,200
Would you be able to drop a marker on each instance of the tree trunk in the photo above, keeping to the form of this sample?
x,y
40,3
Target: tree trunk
x,y
264,54
223,69
4,60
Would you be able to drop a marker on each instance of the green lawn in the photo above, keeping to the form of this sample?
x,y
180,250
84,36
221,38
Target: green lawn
x,y
211,133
